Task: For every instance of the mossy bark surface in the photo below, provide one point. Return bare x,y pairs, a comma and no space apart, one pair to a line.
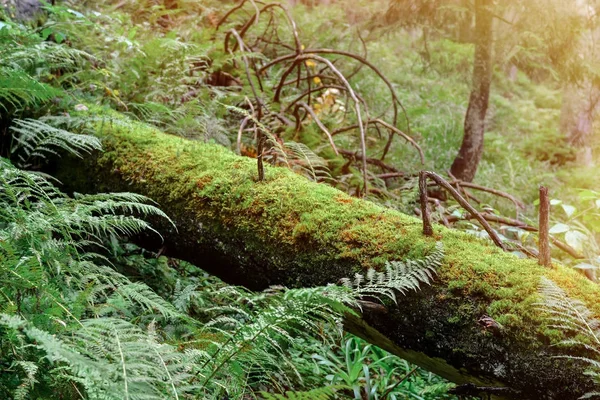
289,231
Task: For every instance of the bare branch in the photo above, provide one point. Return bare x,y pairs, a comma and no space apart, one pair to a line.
427,228
319,124
544,223
467,206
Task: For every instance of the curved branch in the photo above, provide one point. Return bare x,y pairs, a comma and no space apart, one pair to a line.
499,193
396,100
464,203
521,225
403,135
357,102
239,136
319,124
392,129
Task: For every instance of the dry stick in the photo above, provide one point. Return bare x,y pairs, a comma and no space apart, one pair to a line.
260,105
365,55
240,131
341,77
466,205
498,193
427,228
373,161
566,248
228,14
268,42
290,21
403,135
391,175
247,25
259,102
396,101
259,157
460,188
521,225
498,219
544,223
405,377
392,129
261,37
319,124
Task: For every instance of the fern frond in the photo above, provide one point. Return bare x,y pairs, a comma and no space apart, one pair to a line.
399,276
567,313
573,317
144,296
36,139
309,163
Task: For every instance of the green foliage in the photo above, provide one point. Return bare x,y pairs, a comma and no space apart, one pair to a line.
324,393
578,226
76,318
36,139
372,373
572,316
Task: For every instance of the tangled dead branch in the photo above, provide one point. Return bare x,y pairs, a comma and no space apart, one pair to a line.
253,31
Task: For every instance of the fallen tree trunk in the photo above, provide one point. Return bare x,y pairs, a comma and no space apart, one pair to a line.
477,323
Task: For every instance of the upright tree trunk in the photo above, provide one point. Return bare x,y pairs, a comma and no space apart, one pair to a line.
577,116
466,162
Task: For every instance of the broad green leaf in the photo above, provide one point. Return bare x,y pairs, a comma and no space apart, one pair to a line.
575,239
555,202
585,266
569,210
559,228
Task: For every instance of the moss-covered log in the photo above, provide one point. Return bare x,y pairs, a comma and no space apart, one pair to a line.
290,231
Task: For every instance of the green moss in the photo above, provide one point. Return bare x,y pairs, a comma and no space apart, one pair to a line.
288,219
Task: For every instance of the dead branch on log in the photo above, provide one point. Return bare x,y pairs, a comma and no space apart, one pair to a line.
295,62
319,124
544,223
519,204
521,225
427,228
461,200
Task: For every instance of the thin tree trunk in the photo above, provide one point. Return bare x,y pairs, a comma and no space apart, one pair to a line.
466,162
577,115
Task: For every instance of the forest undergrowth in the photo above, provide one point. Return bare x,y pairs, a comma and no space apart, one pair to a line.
162,328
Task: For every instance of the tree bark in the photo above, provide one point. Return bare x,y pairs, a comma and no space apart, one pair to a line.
465,164
577,114
289,231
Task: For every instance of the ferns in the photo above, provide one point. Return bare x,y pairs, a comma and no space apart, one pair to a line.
35,138
399,276
573,317
26,60
18,89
